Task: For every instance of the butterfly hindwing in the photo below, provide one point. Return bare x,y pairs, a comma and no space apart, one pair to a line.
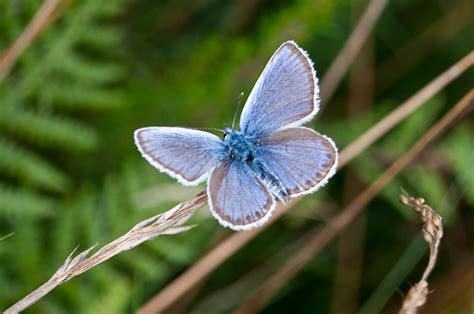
286,93
236,198
185,154
301,158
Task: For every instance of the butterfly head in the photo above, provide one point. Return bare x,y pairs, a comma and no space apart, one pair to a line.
227,130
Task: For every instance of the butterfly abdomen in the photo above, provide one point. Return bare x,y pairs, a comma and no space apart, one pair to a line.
272,182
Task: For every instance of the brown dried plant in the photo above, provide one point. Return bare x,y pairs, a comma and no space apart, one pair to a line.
432,233
169,222
49,11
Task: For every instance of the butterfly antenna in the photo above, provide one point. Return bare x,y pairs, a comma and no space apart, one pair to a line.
211,129
238,108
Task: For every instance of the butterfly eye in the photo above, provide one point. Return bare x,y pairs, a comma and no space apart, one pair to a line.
226,131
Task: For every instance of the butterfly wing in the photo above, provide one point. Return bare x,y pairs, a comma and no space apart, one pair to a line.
184,154
286,93
237,199
301,158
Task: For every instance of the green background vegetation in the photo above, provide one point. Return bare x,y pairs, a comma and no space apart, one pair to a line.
70,174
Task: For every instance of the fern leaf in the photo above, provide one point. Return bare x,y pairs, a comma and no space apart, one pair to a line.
49,130
14,202
76,97
85,70
102,38
30,168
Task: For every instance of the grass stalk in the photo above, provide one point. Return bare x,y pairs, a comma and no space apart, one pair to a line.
45,15
351,48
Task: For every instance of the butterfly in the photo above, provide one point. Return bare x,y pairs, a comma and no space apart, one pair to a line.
271,159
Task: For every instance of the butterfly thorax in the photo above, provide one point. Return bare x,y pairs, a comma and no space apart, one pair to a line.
240,146
244,148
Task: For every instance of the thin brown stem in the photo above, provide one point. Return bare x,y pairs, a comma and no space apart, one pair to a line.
347,215
420,48
350,252
43,17
402,111
203,267
354,43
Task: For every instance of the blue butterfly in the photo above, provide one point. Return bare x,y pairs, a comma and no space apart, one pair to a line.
272,158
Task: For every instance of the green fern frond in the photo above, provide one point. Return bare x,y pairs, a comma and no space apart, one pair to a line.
49,130
85,70
16,202
80,98
60,45
115,201
75,224
30,168
102,38
29,239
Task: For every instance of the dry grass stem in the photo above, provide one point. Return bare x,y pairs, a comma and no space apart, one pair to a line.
43,17
432,233
409,106
278,280
435,35
350,246
169,222
200,269
226,298
354,43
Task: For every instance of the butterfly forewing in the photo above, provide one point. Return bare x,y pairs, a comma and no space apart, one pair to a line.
301,158
286,93
237,199
185,154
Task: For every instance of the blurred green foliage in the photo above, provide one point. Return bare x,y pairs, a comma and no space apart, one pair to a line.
70,175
